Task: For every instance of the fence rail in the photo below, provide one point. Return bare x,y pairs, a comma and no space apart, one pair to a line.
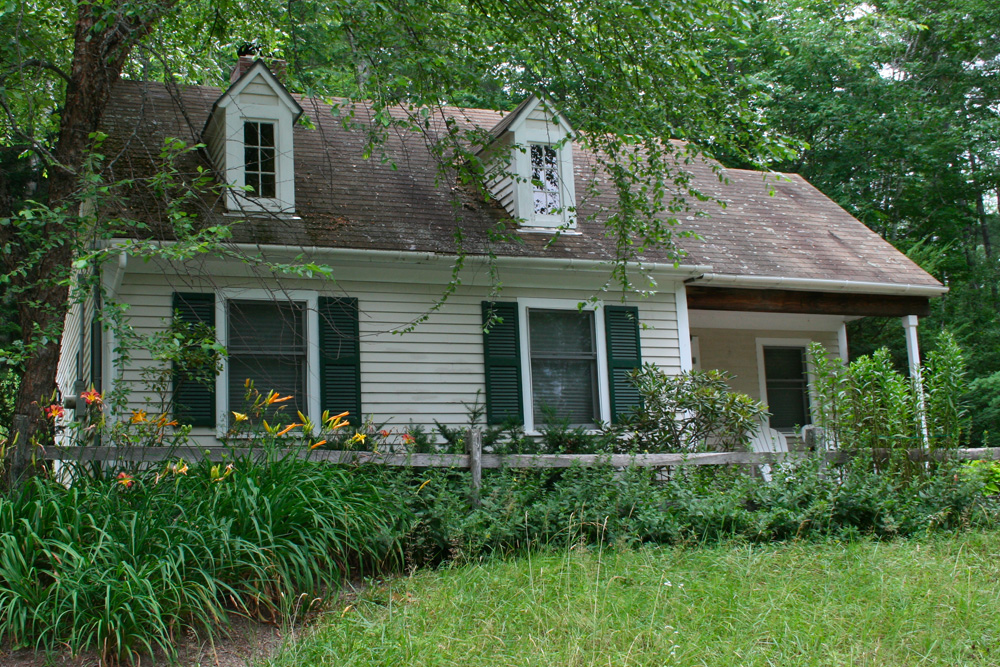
475,460
414,460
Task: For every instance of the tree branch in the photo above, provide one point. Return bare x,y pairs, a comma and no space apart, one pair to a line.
42,64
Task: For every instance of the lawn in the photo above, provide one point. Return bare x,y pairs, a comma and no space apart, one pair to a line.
929,601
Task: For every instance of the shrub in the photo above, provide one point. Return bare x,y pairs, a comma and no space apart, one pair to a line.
523,509
869,404
123,561
684,412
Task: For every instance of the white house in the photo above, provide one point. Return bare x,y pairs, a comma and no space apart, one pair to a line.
779,266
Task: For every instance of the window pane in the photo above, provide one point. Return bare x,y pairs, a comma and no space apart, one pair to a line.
564,389
266,134
267,345
284,375
266,326
561,333
787,386
266,160
536,155
267,186
563,366
250,134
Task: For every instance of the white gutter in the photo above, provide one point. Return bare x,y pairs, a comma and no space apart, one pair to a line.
816,284
421,257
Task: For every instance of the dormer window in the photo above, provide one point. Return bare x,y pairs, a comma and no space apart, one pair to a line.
249,136
532,161
545,179
259,159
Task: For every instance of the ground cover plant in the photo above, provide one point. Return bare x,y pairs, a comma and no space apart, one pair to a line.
928,601
522,509
125,561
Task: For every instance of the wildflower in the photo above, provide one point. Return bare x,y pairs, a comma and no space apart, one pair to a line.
335,422
161,421
287,429
384,433
240,417
55,411
92,396
125,480
358,437
176,468
274,398
218,474
318,444
408,439
138,417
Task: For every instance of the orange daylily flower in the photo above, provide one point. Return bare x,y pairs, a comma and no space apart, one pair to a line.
92,396
318,444
55,411
138,417
287,429
274,398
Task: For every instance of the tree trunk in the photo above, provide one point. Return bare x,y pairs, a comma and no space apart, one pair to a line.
104,36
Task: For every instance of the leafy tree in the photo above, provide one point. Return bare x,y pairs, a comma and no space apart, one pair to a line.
629,73
896,105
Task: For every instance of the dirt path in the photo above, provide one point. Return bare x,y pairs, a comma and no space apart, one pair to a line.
248,641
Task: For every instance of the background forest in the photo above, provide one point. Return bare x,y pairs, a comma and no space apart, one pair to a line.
891,108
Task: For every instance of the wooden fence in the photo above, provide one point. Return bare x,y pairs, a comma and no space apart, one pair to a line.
475,460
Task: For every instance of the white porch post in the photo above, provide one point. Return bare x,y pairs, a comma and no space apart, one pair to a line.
842,342
913,356
683,327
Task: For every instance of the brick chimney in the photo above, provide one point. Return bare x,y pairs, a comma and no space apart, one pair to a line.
245,62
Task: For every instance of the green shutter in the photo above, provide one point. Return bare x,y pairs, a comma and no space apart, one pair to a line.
340,357
502,350
194,396
621,326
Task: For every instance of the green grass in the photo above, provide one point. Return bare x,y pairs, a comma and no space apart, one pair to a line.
930,601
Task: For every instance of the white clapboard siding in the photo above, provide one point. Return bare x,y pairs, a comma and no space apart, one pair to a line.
434,372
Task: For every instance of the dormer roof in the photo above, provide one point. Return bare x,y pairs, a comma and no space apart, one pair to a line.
513,120
259,72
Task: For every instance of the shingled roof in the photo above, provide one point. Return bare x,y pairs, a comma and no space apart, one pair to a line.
770,226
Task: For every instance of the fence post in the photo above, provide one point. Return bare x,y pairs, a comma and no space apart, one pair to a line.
474,440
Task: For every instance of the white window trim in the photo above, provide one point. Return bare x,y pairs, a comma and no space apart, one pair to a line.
310,298
284,151
804,343
603,388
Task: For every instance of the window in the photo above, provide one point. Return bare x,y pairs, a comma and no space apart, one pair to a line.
267,344
547,359
545,179
564,375
259,159
786,386
297,343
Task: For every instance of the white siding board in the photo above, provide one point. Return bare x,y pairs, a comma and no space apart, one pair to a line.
433,372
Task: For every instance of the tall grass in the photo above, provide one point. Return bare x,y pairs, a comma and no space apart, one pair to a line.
125,561
928,601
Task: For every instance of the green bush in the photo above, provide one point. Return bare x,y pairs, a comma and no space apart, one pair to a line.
869,404
684,412
123,561
523,509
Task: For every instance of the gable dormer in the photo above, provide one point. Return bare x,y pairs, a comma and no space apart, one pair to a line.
249,139
532,159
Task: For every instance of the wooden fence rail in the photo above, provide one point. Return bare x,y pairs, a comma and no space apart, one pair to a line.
475,460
